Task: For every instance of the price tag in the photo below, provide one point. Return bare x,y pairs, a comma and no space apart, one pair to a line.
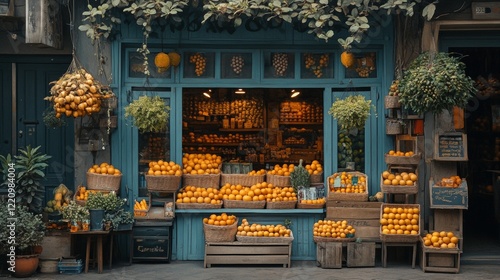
336,182
354,180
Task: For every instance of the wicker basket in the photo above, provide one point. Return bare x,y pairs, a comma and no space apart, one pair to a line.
348,196
400,237
402,160
392,189
197,205
330,239
281,204
244,204
202,180
278,181
103,182
241,179
316,178
220,233
393,127
310,206
162,183
260,239
392,102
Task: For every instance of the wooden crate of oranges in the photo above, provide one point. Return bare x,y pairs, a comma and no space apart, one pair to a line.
399,222
399,181
348,186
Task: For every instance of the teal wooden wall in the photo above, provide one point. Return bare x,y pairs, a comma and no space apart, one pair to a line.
187,232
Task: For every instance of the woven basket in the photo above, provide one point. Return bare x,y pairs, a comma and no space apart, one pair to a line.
197,205
103,182
310,206
202,180
162,183
400,237
244,204
241,179
392,102
278,181
281,204
220,233
348,196
402,160
316,178
329,239
260,239
393,127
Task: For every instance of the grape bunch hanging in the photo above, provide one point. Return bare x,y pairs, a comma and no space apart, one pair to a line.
237,63
316,66
200,63
280,64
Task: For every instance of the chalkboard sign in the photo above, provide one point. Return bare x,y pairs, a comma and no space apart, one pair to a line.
451,147
448,197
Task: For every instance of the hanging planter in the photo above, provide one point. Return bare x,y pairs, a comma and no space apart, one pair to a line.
393,127
351,112
149,114
435,82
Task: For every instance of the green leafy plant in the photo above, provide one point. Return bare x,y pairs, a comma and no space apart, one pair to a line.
118,217
149,114
29,229
351,112
75,212
29,168
107,202
435,82
50,119
300,177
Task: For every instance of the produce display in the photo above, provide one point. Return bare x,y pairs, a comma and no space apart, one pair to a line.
105,169
316,65
301,112
257,172
201,164
76,94
259,230
394,88
320,200
347,182
333,229
83,193
220,138
282,194
399,179
351,149
237,63
200,63
314,168
400,220
400,153
282,170
62,197
164,168
220,220
451,182
192,194
155,147
441,239
257,192
280,64
141,208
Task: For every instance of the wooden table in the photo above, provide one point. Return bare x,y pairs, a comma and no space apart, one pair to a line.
99,235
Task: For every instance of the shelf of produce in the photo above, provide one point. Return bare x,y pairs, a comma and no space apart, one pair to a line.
189,229
301,123
211,144
241,129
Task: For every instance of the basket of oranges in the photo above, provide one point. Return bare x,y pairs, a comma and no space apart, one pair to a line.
316,171
279,176
163,176
348,186
220,228
201,170
191,197
104,177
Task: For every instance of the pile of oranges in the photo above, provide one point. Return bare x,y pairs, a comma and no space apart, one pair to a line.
346,183
257,192
400,153
333,229
220,220
400,220
282,194
320,200
314,168
191,194
441,239
164,168
201,164
452,182
258,230
105,169
283,170
399,179
257,172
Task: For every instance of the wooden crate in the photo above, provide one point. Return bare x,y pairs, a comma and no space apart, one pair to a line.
448,220
448,197
247,253
363,216
439,259
329,254
360,254
335,196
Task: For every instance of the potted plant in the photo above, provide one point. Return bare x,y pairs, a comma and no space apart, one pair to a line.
120,219
148,113
435,82
99,204
29,168
351,112
21,238
76,214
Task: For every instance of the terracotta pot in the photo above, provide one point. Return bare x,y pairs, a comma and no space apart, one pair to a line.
26,265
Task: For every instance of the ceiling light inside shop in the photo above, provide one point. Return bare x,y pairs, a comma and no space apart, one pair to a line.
294,93
207,94
240,91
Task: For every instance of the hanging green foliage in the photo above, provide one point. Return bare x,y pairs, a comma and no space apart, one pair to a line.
351,112
149,114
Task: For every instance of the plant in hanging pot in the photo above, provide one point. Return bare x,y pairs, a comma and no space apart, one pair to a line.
20,239
149,114
435,82
351,112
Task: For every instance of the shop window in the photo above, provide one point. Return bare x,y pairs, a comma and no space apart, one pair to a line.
351,149
236,66
365,66
316,66
199,65
279,65
137,67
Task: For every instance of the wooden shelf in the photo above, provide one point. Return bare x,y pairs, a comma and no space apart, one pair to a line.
211,144
241,129
300,123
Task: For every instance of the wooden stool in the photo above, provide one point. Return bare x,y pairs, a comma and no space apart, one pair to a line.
399,244
99,235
